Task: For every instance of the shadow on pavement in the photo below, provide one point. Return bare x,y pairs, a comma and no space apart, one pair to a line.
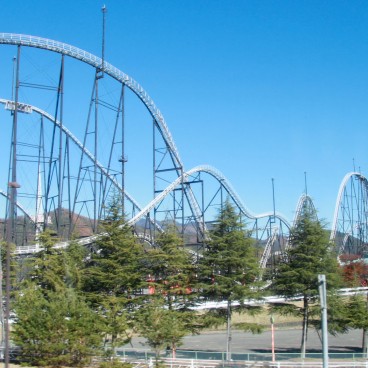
331,349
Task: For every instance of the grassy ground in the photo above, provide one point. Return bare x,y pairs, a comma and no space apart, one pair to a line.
263,319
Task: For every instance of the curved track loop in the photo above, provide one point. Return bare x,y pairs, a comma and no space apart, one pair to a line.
221,179
305,203
225,183
350,222
96,62
105,67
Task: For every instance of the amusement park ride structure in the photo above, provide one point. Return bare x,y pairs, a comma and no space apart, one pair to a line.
65,181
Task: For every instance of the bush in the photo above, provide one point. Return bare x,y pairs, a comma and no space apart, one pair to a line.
115,363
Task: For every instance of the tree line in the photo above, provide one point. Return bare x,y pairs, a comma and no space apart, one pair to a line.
75,303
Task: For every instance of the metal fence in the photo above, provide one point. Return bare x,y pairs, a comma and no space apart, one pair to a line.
236,358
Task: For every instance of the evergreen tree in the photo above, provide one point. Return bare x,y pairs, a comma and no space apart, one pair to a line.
357,317
162,327
309,255
54,325
355,311
228,268
55,328
114,277
171,270
56,268
172,275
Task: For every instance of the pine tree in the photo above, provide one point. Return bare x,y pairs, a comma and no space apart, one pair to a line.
172,275
56,268
58,329
172,270
357,317
54,325
114,277
228,268
310,254
162,327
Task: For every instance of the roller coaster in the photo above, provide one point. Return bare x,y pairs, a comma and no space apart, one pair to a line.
65,180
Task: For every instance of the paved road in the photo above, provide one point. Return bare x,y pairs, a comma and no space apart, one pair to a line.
286,340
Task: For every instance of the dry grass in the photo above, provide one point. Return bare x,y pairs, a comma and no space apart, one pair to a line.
263,319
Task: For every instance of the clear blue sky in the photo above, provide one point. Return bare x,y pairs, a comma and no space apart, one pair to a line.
257,89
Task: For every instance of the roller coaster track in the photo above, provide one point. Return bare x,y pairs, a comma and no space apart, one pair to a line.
36,247
79,144
5,195
357,216
304,203
182,179
343,184
96,62
217,175
267,251
107,68
221,179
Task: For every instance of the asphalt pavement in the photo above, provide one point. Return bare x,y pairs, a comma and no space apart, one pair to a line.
286,340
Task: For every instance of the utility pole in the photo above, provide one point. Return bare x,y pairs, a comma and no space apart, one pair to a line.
323,302
272,338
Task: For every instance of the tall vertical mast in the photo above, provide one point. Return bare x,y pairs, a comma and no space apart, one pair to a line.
104,11
39,217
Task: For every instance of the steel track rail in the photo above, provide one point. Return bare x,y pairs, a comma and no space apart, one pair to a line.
135,87
103,66
5,195
80,145
343,184
221,179
303,200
